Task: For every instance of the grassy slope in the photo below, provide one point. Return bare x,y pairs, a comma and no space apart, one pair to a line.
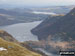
6,36
15,49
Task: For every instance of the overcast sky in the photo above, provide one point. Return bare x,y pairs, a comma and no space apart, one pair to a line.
38,2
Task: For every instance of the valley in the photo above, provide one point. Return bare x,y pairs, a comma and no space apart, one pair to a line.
37,31
9,16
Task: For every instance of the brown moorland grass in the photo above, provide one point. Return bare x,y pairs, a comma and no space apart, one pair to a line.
14,49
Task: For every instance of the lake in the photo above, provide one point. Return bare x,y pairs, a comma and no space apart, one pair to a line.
22,31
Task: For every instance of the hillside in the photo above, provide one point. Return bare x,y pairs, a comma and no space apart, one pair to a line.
7,20
65,24
13,16
6,36
23,15
56,35
13,49
40,30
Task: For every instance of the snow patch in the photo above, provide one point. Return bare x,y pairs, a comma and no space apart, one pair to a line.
2,49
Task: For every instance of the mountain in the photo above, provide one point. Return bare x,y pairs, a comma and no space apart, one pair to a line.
12,49
57,33
64,25
41,28
10,16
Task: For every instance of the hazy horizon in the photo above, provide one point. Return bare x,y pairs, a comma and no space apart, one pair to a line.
35,3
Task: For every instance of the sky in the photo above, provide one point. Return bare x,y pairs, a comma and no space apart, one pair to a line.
37,2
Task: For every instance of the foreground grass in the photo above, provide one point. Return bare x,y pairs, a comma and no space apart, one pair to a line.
15,49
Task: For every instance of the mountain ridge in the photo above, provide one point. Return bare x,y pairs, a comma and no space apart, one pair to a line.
58,35
60,25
